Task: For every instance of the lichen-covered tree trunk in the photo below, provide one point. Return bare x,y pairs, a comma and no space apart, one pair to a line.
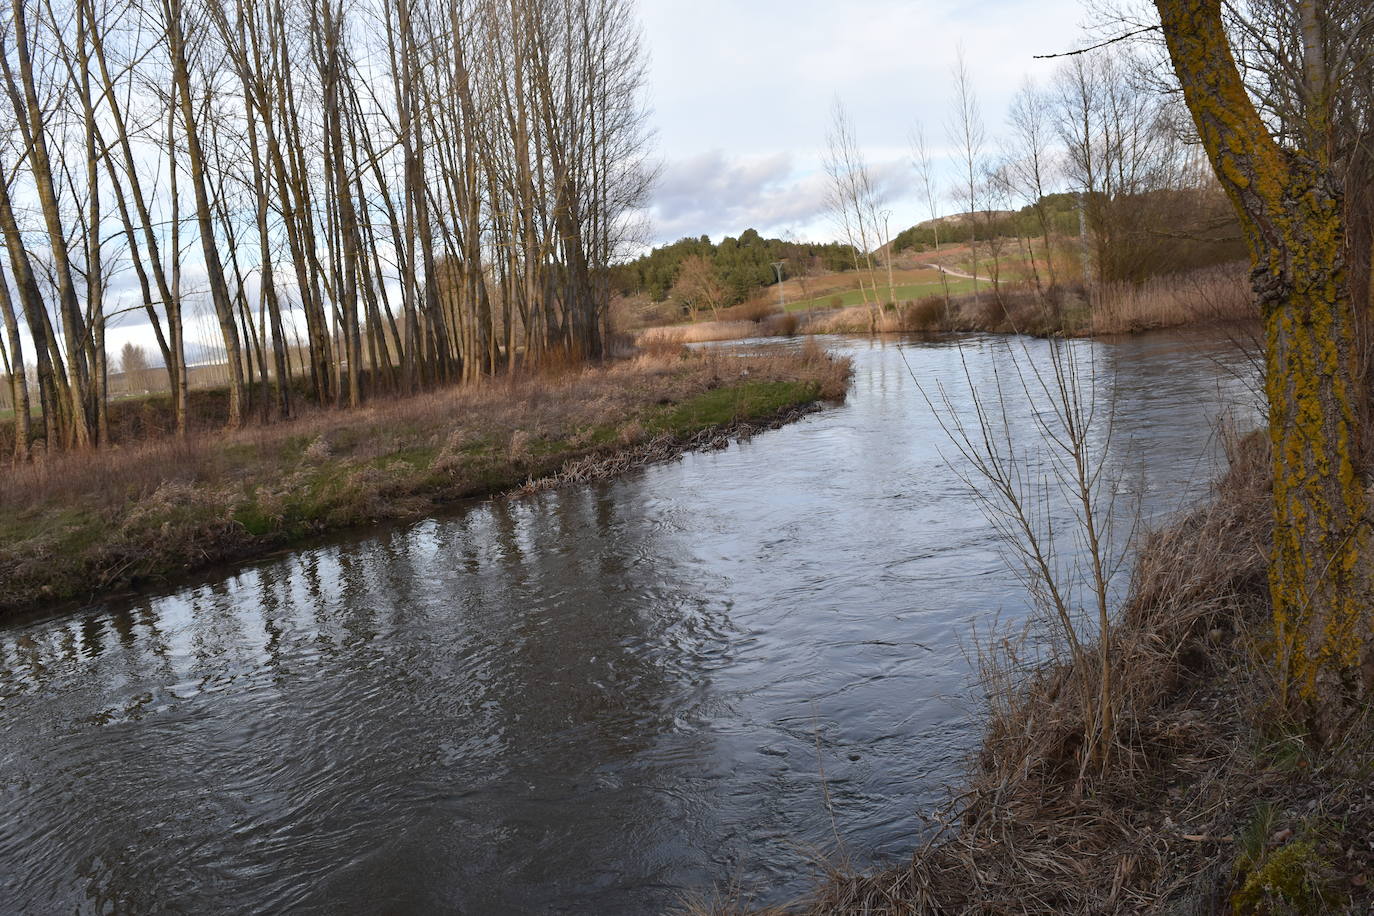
1291,209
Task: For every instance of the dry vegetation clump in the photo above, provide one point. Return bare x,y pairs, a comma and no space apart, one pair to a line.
760,308
670,338
1012,311
701,332
1211,802
81,524
786,324
1211,295
926,315
1214,295
862,319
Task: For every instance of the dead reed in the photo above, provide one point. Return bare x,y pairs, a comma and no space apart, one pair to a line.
1214,295
1208,296
699,332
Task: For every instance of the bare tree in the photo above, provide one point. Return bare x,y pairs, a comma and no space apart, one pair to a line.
853,200
968,136
1030,165
303,165
1020,481
132,358
699,285
14,368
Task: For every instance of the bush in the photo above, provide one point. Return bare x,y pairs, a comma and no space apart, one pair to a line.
784,325
989,313
753,310
926,315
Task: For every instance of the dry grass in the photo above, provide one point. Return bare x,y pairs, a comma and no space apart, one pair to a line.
1210,803
700,332
75,525
671,338
1211,295
1016,310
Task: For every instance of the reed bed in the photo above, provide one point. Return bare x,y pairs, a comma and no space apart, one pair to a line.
1212,295
699,332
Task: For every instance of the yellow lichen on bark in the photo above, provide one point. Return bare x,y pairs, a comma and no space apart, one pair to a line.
1292,214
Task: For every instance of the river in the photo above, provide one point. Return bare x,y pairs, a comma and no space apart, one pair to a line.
591,700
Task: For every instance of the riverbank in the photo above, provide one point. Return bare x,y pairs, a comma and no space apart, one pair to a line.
79,526
1208,298
1211,802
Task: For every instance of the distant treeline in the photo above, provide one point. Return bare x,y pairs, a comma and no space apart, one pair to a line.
742,264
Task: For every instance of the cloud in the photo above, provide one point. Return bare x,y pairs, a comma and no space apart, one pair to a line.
712,194
757,80
715,194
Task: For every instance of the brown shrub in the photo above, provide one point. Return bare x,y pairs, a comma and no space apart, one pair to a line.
756,309
989,313
927,314
784,325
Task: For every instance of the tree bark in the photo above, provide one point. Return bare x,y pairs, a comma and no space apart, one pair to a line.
214,269
18,383
1292,212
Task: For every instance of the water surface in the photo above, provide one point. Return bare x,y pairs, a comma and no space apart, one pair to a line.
586,701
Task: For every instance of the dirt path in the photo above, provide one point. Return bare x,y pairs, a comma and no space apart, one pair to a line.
952,273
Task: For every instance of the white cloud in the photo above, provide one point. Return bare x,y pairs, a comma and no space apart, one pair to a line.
715,194
740,89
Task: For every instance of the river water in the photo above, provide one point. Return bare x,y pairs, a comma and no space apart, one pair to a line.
590,701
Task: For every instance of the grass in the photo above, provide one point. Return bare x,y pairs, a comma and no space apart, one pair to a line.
723,406
898,293
76,526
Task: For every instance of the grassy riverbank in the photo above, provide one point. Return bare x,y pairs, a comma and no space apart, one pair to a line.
78,526
1203,298
1211,801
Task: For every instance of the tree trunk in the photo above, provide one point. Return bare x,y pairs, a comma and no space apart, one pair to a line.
18,384
32,123
1293,216
50,396
214,269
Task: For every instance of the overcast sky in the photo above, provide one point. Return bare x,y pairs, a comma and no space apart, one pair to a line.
741,92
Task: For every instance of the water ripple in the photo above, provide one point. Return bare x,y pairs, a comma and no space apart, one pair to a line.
585,701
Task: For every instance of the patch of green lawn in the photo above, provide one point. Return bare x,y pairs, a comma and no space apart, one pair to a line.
720,406
901,293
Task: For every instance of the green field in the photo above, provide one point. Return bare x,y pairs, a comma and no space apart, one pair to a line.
900,293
